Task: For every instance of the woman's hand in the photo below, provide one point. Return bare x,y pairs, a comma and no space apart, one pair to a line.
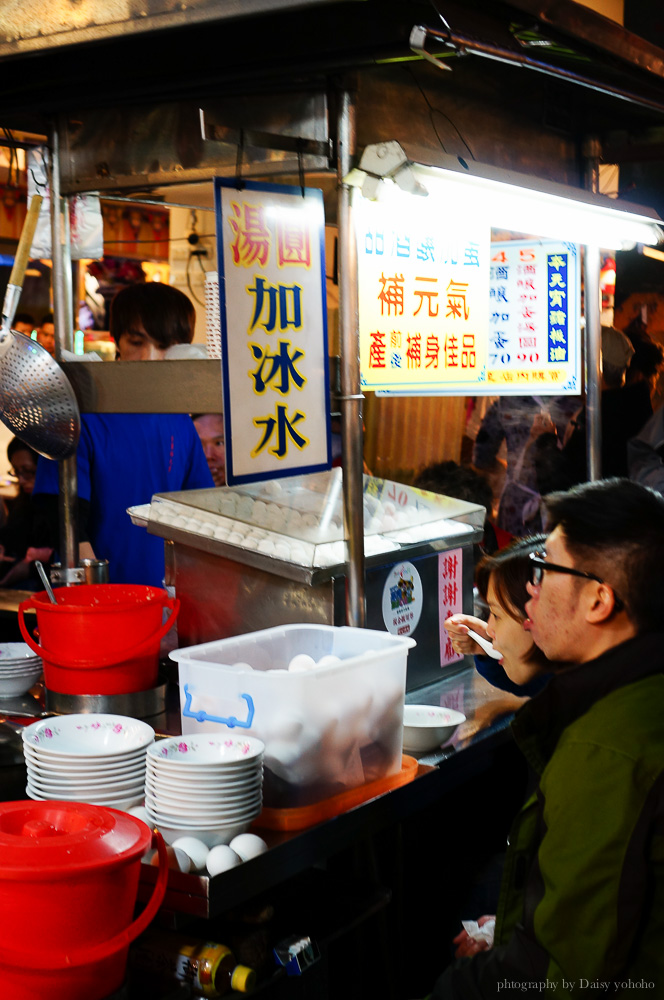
457,628
466,946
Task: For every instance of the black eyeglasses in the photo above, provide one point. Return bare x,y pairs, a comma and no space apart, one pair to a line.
540,566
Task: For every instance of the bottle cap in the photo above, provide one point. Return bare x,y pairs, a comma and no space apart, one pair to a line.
243,979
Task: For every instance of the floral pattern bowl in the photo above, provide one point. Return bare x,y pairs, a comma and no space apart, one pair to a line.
89,735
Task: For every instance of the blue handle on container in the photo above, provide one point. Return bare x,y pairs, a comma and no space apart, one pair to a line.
231,721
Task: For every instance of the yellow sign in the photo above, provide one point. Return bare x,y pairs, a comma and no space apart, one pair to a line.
442,310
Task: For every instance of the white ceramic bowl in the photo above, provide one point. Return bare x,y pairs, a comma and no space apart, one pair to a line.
192,803
12,687
210,837
133,785
51,767
210,796
426,727
13,651
208,782
194,812
89,735
231,752
17,667
113,802
215,785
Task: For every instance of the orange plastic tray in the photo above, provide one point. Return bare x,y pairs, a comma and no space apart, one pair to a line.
300,817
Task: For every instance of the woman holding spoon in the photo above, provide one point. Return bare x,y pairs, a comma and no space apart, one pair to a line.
522,668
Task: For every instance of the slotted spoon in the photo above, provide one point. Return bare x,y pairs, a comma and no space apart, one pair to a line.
37,402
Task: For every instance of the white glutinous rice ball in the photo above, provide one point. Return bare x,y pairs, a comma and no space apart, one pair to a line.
301,662
328,661
220,859
248,845
195,849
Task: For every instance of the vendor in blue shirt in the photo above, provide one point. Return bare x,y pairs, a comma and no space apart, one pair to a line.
123,459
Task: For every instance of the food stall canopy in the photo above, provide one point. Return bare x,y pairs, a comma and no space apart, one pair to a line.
33,25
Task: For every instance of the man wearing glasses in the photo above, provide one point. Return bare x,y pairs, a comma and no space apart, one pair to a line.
582,901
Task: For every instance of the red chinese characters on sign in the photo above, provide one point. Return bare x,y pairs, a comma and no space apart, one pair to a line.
293,244
450,596
252,238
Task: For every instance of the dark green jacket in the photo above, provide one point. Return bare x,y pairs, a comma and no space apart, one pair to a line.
582,898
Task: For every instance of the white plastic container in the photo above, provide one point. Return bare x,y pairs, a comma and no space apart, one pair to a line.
326,729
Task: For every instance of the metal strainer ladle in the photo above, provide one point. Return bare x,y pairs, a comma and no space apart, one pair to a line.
37,402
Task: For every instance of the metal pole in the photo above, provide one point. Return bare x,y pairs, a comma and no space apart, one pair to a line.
351,396
593,327
63,338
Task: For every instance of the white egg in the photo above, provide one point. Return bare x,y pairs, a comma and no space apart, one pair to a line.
183,860
251,543
248,845
195,850
140,812
221,858
300,662
282,549
266,545
242,665
236,538
328,661
221,533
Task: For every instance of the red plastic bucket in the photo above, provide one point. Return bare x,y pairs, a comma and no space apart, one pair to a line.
100,638
68,884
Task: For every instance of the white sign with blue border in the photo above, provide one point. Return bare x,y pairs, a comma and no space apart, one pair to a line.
274,354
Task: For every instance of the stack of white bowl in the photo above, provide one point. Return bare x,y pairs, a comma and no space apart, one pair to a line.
209,787
19,669
95,758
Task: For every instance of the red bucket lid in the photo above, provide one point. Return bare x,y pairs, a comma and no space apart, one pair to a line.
57,839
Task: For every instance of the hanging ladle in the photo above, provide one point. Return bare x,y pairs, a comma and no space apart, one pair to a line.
45,581
37,402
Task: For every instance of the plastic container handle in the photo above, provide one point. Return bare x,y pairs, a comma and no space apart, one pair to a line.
172,602
41,960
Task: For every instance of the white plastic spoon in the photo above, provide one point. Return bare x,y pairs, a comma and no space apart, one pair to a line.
485,644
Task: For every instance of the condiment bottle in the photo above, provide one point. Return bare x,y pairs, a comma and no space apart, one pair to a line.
208,967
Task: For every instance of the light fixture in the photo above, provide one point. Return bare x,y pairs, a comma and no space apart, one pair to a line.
509,201
384,161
